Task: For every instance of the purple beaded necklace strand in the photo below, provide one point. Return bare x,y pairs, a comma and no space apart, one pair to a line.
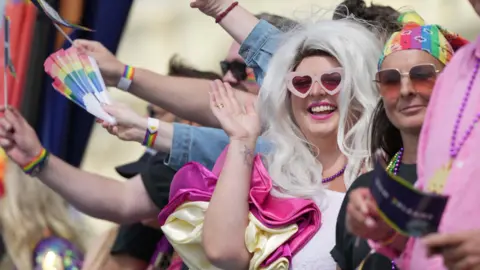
333,177
454,150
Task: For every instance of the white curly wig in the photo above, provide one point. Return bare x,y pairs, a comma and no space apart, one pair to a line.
292,162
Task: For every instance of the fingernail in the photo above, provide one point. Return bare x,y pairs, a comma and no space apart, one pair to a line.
369,222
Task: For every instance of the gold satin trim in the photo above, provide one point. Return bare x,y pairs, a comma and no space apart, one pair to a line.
183,229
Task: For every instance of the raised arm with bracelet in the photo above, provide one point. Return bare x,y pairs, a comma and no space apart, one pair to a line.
184,97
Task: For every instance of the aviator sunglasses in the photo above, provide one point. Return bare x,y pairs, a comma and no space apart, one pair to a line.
301,84
422,78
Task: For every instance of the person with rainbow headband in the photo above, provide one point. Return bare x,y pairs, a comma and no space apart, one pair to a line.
408,70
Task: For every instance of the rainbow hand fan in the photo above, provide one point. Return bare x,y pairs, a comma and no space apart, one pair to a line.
77,77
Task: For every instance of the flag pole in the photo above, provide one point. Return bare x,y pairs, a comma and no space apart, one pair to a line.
6,45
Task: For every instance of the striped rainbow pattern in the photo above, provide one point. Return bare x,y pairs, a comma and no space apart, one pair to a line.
73,68
251,77
150,138
28,169
75,76
55,71
415,35
128,72
67,92
89,69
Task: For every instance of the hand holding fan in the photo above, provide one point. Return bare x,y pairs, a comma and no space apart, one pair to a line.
77,77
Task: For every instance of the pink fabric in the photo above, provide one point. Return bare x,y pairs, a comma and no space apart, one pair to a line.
193,182
433,152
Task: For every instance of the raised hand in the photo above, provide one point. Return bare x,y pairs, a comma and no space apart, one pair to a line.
130,126
239,122
17,137
211,8
110,67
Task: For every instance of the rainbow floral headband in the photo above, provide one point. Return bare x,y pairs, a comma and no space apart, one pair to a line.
415,35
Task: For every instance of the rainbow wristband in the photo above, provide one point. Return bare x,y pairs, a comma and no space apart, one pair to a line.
127,78
152,131
34,167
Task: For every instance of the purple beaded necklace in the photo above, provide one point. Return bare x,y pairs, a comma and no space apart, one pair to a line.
455,149
437,183
333,177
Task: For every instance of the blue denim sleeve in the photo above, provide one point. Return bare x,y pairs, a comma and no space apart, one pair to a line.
259,47
200,144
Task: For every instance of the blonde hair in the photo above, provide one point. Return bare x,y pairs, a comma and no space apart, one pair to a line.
27,210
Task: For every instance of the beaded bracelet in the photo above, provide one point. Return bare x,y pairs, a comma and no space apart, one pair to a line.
151,133
127,78
36,165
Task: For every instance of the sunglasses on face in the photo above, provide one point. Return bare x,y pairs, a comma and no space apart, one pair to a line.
238,69
301,84
422,78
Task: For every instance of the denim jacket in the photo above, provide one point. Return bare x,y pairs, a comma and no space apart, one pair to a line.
204,145
259,47
200,144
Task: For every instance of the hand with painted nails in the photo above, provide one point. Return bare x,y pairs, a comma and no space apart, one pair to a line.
460,251
362,217
17,137
239,122
130,126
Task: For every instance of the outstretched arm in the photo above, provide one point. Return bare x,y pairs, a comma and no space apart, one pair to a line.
98,196
183,143
95,195
184,97
132,127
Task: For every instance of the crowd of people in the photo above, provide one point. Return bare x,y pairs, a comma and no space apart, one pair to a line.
267,166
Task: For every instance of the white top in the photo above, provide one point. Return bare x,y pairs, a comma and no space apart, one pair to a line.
316,253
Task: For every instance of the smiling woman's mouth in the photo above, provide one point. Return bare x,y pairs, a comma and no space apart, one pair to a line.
321,109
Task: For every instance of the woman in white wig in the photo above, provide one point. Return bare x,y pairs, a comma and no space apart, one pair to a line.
315,107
